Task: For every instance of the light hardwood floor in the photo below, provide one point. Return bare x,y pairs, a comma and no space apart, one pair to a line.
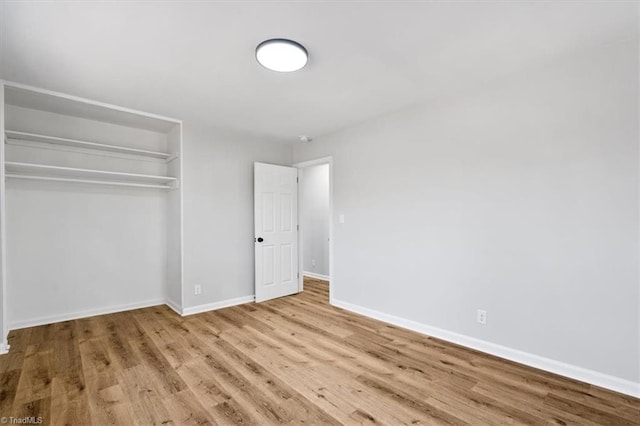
290,360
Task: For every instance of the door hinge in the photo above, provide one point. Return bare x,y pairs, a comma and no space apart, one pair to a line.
297,227
297,180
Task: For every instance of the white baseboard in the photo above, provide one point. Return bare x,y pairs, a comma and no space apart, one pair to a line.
4,348
217,305
84,314
174,306
127,307
317,276
574,372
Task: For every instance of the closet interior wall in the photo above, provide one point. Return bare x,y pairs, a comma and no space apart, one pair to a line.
174,227
4,326
93,208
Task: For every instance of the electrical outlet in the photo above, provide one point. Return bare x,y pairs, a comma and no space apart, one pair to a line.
313,263
482,316
198,289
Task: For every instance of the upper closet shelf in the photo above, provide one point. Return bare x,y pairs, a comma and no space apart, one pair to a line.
30,97
14,135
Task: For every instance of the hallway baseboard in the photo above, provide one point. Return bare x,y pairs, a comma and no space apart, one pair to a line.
316,276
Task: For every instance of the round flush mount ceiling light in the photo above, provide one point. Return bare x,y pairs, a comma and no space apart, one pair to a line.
282,55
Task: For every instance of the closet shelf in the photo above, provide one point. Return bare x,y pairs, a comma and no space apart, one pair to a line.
72,174
33,137
96,182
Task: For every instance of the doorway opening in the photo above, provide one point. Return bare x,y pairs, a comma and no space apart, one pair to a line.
316,226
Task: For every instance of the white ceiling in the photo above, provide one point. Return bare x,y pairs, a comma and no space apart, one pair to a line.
195,60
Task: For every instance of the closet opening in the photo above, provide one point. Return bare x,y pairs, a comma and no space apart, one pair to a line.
316,226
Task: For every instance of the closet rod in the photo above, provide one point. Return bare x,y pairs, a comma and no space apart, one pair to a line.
23,136
98,182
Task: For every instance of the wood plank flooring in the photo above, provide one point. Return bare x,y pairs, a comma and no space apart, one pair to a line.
290,360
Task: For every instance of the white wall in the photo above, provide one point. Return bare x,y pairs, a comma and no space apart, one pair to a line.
314,191
520,198
218,211
83,249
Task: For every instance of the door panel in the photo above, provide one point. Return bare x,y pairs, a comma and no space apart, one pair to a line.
268,263
276,229
267,212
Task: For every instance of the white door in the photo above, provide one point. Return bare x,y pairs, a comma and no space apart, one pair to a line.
276,229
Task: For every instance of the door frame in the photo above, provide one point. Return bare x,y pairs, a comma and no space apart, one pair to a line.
301,166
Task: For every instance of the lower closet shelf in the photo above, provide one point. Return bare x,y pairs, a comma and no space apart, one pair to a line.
90,176
97,182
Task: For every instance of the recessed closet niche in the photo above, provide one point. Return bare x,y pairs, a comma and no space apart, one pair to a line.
91,208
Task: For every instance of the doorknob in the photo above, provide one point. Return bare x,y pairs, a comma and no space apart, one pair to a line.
260,239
